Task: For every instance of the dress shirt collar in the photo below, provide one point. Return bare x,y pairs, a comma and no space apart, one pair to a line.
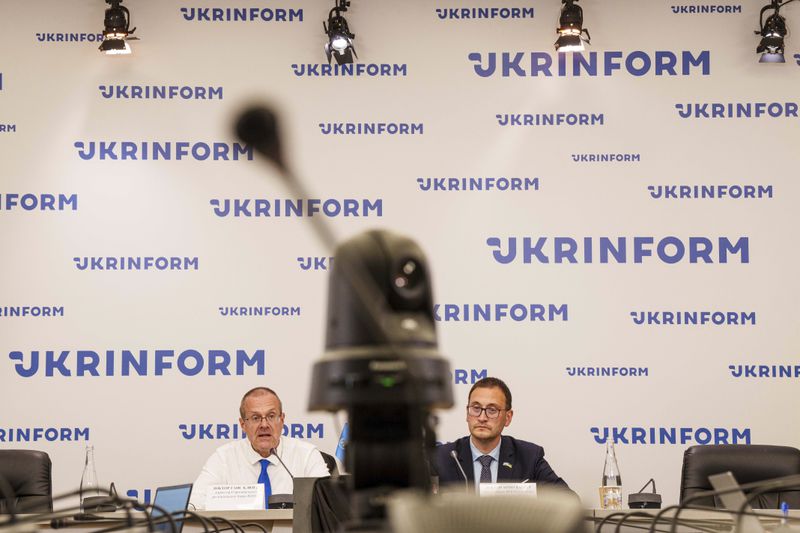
476,453
254,457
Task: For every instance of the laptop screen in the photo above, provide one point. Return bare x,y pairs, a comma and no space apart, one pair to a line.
172,499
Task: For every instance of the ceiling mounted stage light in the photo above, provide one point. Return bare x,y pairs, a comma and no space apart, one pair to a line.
772,33
117,29
570,28
340,40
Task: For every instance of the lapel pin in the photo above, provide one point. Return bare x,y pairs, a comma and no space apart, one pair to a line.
507,465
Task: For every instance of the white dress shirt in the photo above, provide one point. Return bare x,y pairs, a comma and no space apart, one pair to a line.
238,463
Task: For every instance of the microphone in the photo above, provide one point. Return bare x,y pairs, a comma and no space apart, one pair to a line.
258,127
272,451
281,501
458,464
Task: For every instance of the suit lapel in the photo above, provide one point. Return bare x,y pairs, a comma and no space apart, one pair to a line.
465,459
507,469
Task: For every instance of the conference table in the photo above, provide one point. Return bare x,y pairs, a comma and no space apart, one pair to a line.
689,520
281,520
273,520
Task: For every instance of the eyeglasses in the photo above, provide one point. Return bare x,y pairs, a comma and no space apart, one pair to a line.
257,419
491,411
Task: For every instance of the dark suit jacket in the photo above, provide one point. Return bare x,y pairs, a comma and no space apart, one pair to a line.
526,461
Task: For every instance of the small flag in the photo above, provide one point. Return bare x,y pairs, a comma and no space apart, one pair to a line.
342,442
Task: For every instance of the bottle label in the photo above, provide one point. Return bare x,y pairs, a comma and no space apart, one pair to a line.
611,498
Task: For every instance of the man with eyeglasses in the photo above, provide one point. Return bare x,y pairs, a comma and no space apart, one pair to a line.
253,460
486,456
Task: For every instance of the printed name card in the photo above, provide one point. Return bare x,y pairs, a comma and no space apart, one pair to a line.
235,497
508,489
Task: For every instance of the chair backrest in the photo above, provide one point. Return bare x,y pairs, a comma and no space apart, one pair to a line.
330,462
29,474
749,463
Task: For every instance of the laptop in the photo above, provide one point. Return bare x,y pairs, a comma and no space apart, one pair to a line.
734,500
173,500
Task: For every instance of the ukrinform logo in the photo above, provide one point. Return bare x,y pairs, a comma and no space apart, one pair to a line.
301,207
261,310
79,363
671,435
69,37
550,119
162,151
243,14
706,8
607,371
475,13
468,376
738,110
694,318
592,64
38,202
39,434
137,263
607,158
315,263
765,371
702,192
160,92
294,430
669,250
478,184
31,310
350,70
501,312
372,128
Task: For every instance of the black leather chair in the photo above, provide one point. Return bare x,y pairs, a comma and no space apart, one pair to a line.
28,473
330,462
749,463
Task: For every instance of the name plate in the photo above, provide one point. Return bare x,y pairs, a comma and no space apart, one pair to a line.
507,489
235,497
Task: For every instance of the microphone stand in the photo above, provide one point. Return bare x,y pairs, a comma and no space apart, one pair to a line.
454,455
274,452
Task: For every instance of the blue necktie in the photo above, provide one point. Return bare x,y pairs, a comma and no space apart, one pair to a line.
264,480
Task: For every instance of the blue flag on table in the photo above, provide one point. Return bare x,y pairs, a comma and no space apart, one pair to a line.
342,442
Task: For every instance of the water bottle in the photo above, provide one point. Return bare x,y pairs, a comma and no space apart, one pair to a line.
611,488
89,486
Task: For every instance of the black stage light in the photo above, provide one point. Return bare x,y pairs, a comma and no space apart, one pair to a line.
340,40
117,29
772,33
570,28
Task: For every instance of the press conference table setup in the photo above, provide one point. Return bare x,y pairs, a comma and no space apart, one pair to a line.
281,520
689,519
271,519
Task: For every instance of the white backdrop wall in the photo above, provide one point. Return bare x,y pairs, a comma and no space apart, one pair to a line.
71,128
